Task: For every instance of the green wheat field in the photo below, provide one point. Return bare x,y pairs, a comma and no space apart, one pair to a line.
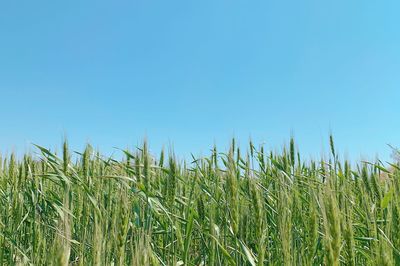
235,207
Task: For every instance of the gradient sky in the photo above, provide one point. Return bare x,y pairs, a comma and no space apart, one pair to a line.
192,73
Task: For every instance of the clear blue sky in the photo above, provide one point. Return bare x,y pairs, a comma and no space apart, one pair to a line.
193,73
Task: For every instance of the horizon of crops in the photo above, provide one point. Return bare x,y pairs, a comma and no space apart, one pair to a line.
235,207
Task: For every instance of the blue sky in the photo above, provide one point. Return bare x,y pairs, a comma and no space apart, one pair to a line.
192,73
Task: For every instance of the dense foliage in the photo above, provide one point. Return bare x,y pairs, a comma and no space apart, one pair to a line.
233,208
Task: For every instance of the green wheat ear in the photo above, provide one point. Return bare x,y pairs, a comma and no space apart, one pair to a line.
332,145
292,152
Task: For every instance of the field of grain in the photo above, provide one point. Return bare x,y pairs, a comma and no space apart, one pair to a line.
235,207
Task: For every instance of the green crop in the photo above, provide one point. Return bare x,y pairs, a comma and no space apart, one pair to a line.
233,208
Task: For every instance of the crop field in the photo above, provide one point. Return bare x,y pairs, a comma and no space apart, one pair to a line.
234,207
